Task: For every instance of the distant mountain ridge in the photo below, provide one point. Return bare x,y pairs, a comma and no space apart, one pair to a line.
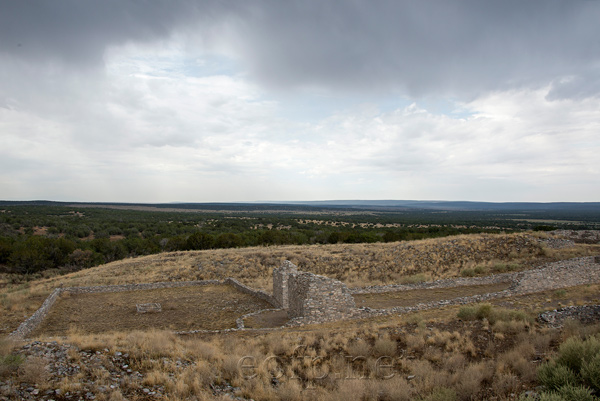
456,205
389,205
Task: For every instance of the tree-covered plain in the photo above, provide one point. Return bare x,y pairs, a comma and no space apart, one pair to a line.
40,236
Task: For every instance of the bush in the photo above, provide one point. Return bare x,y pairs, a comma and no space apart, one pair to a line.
467,313
493,315
442,394
480,270
555,376
573,353
575,372
590,373
576,393
9,363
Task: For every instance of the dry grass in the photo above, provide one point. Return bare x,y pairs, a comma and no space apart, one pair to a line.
211,307
433,357
355,264
429,355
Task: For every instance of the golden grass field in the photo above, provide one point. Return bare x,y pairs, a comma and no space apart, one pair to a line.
430,355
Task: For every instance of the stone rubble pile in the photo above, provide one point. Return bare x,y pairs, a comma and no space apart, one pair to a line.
579,236
585,314
94,372
67,361
557,243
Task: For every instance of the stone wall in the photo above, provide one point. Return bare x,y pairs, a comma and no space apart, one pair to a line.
315,299
136,287
257,293
280,282
442,283
34,320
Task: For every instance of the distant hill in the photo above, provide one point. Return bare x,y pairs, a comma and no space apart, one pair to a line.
456,205
381,205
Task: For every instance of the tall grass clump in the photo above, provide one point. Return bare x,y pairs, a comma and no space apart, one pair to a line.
9,362
491,314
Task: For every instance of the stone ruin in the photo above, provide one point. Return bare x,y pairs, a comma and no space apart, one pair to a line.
310,297
148,308
280,282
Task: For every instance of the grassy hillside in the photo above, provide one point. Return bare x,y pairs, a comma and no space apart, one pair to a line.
355,264
489,351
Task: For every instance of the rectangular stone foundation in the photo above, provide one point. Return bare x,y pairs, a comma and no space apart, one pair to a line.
149,308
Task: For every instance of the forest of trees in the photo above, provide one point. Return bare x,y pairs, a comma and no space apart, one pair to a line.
35,238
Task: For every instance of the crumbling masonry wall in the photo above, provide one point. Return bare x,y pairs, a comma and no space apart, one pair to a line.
280,282
318,298
310,297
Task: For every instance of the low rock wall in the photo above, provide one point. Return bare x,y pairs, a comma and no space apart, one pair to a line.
257,293
444,283
137,287
34,320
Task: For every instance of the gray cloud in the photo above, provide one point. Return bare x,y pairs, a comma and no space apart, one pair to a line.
77,32
458,48
116,100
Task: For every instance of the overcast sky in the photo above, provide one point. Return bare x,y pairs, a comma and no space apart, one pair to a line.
202,101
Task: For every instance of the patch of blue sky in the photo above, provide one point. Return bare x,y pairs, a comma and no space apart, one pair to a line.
209,65
311,107
445,106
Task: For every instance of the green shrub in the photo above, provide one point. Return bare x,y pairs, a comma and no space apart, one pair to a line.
512,266
576,393
548,397
574,352
590,373
485,311
560,293
442,394
508,315
500,267
575,373
414,279
467,272
480,270
10,363
554,376
467,313
493,315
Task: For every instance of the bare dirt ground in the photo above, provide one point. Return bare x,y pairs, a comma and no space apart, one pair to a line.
213,307
268,319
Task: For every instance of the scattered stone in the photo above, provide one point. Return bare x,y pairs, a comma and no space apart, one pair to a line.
149,308
585,314
579,236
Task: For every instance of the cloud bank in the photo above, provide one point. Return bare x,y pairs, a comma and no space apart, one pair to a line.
239,101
